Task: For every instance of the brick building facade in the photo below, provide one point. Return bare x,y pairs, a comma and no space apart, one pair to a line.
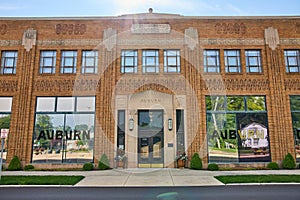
153,85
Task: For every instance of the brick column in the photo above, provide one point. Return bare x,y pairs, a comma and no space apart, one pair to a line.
21,130
281,136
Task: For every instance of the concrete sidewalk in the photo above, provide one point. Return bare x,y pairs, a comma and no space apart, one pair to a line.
150,177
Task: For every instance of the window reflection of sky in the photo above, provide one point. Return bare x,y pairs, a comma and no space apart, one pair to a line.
66,104
5,104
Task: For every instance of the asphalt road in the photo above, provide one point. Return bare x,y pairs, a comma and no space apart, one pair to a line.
251,192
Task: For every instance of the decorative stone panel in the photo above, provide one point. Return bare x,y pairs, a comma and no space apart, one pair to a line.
150,28
29,39
69,42
7,43
272,37
110,38
191,38
232,41
290,41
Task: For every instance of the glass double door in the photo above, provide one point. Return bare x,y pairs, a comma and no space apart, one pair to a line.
150,138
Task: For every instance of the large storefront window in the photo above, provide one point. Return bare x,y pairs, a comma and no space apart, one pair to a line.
237,129
295,108
5,113
64,130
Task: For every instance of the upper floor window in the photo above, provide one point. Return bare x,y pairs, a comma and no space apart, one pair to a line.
292,60
150,61
9,62
211,61
47,62
171,60
129,61
89,62
253,61
232,61
68,62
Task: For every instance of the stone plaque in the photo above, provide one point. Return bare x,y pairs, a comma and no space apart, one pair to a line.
29,39
150,28
191,37
110,38
272,37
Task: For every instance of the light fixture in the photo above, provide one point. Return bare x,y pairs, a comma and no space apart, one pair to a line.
170,124
131,124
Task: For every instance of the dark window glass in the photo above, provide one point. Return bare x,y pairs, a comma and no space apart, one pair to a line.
180,132
121,130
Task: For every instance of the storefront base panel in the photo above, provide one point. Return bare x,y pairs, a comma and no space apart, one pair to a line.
48,166
224,166
241,166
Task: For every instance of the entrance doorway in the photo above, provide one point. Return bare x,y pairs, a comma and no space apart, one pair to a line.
150,138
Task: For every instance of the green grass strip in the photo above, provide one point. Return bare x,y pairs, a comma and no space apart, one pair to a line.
40,180
259,179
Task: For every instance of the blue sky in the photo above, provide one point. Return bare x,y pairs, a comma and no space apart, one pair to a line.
38,8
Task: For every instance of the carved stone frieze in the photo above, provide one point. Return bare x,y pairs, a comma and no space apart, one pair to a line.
230,28
65,85
110,38
231,41
150,28
70,29
69,42
6,43
142,41
235,84
29,39
8,86
290,41
191,37
272,37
